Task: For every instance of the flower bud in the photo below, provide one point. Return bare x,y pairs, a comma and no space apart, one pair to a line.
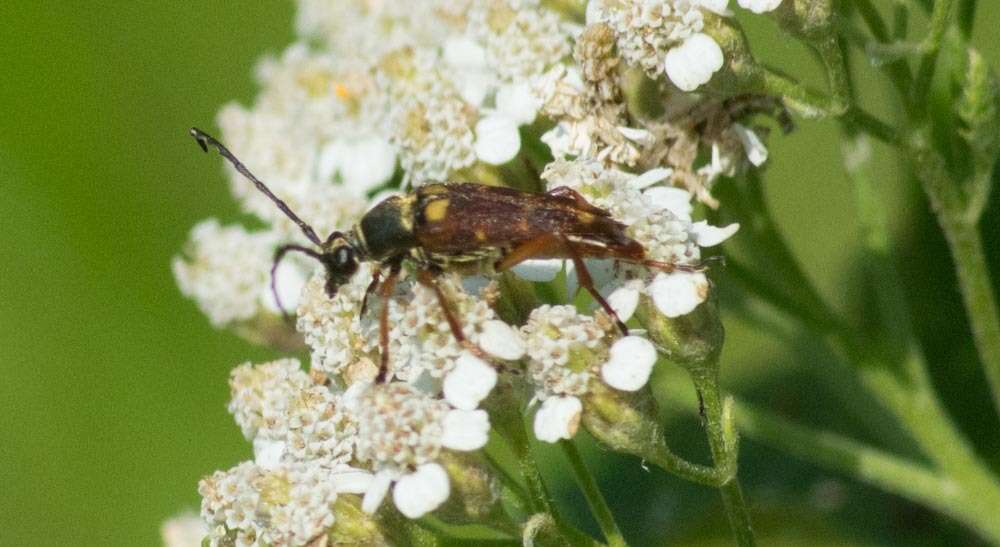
740,63
806,19
979,109
624,421
692,340
475,495
352,526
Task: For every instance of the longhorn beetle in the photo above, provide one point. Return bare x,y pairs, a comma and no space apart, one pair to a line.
439,227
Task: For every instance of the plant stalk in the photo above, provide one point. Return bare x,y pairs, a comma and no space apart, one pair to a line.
592,492
724,448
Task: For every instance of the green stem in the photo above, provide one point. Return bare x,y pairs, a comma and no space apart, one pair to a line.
665,459
939,491
966,247
977,293
897,71
847,456
808,102
873,20
598,505
929,47
873,126
508,480
966,18
901,20
876,243
832,56
725,449
508,422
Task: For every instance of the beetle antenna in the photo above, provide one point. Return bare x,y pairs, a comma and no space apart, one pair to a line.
205,140
279,254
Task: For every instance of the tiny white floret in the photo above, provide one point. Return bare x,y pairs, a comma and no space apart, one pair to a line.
348,480
501,340
469,382
630,362
693,63
267,453
465,430
675,200
377,490
497,139
422,491
558,418
289,280
759,6
706,235
720,7
678,293
518,102
651,177
752,145
624,300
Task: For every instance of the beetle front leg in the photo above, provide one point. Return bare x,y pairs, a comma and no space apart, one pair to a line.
376,277
385,291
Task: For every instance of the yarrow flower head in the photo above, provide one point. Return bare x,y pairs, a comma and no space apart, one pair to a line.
401,433
250,505
226,270
422,346
568,351
659,217
664,38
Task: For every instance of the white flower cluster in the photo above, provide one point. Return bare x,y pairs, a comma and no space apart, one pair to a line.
422,347
566,352
659,217
401,432
666,37
251,505
377,96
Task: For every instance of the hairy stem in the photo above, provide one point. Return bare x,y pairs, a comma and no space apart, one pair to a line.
949,205
940,18
592,492
725,450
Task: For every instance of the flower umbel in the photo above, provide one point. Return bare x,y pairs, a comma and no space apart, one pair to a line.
378,99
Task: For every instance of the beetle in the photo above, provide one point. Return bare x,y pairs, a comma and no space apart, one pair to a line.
459,226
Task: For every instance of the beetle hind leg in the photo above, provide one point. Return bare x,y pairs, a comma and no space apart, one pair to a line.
560,245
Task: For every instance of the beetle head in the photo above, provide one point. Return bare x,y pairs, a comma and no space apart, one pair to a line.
340,258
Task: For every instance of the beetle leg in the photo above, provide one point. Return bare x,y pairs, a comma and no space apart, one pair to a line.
587,282
376,277
559,244
385,291
581,202
427,278
547,244
670,267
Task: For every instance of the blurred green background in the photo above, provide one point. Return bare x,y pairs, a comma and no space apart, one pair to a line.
113,387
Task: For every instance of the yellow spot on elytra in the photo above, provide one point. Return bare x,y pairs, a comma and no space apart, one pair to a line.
436,210
585,218
480,235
